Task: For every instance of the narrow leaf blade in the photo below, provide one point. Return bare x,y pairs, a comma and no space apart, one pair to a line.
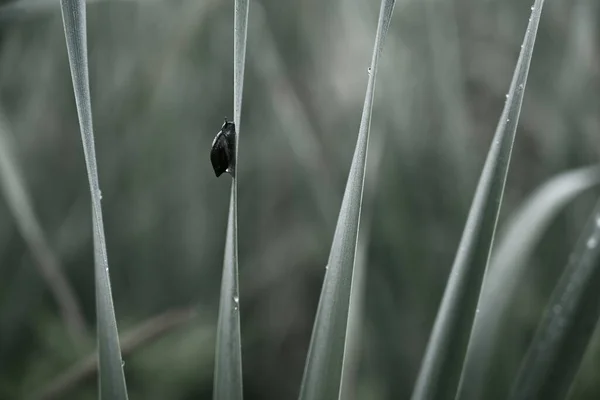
323,369
508,264
564,333
440,369
228,354
111,378
354,332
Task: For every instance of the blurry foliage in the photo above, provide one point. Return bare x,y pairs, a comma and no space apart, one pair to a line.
161,83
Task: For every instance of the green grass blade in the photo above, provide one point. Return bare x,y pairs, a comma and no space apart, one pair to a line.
111,378
438,377
565,331
228,353
507,266
20,204
352,352
323,369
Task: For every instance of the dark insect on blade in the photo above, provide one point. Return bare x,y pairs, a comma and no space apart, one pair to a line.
222,153
218,154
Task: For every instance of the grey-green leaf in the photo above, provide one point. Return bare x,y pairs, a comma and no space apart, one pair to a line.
228,352
111,378
323,369
440,369
564,333
354,331
20,204
507,266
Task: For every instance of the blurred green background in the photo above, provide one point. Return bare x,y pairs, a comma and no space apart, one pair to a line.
161,80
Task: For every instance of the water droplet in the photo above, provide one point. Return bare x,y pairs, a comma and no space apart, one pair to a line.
369,70
532,7
99,194
236,299
592,242
122,363
506,95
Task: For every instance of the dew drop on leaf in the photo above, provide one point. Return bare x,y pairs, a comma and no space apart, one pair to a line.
592,242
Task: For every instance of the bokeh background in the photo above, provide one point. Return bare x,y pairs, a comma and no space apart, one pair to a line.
161,75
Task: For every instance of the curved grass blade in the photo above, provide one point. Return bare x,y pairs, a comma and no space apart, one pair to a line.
323,369
507,267
110,377
228,353
565,331
443,359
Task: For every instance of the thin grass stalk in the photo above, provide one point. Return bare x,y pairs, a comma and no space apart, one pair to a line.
323,369
449,83
352,351
290,111
440,369
111,379
228,354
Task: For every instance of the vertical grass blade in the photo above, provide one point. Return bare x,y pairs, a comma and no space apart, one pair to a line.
354,331
559,344
20,204
440,369
228,353
291,111
450,86
111,378
323,369
507,266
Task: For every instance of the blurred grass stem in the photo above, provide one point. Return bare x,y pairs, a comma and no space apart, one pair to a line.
144,334
21,206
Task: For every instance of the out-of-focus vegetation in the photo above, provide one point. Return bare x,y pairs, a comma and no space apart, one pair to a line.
161,83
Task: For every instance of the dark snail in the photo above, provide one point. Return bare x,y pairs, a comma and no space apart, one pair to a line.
222,153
